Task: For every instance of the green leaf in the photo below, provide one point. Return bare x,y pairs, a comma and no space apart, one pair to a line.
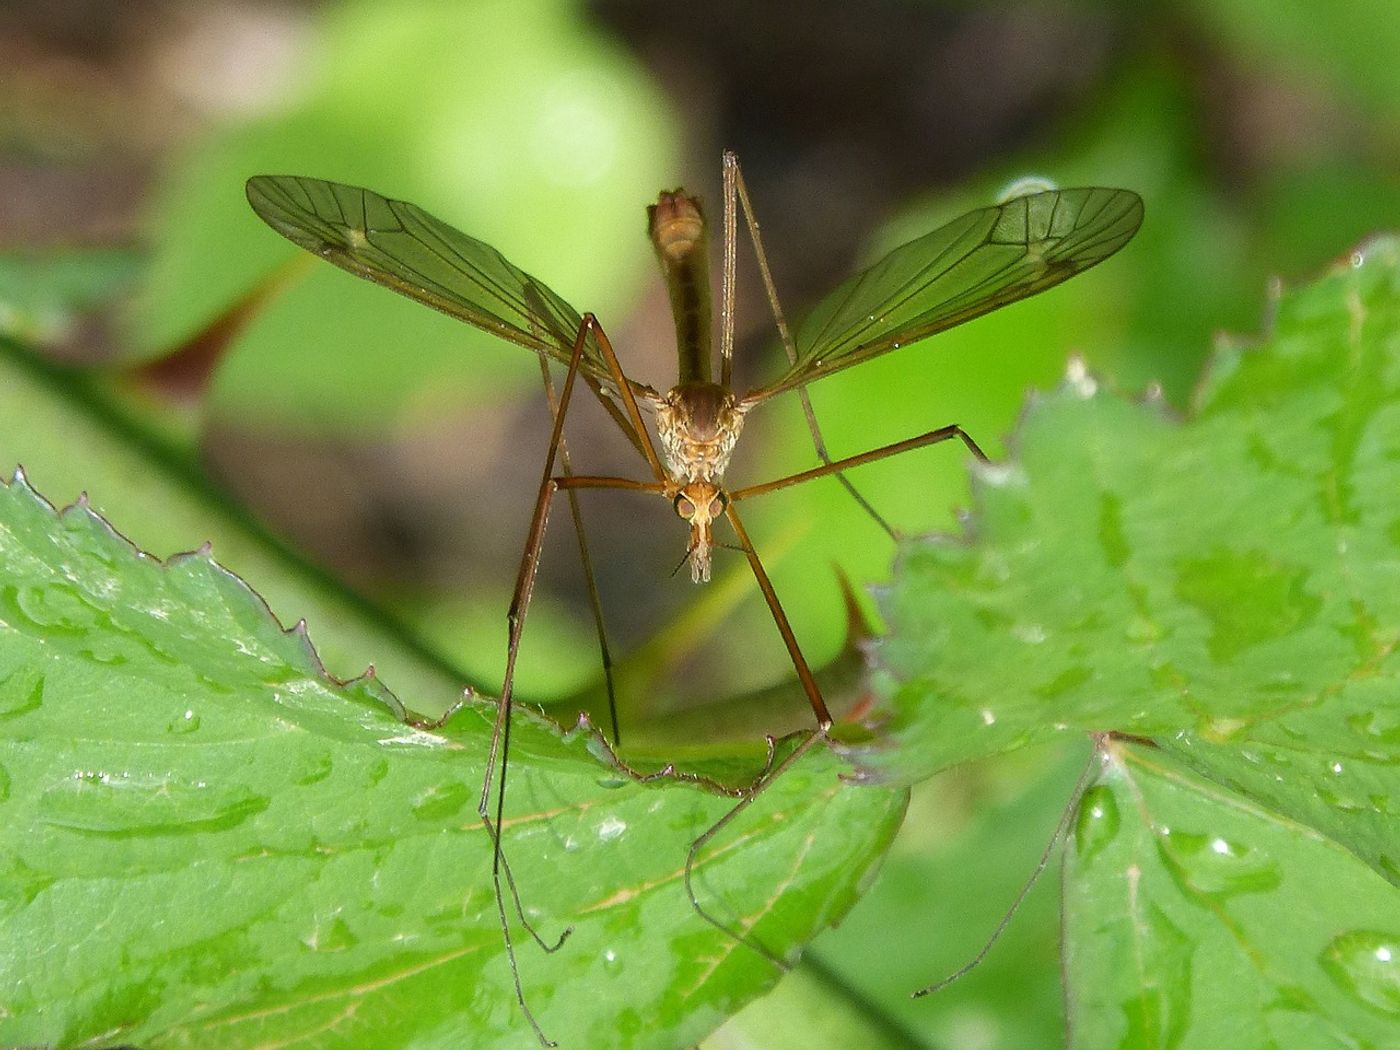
1231,576
1193,918
71,435
205,840
1228,586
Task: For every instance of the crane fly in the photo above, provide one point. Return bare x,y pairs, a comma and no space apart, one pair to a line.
986,259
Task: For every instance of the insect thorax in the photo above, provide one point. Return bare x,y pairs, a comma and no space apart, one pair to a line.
698,424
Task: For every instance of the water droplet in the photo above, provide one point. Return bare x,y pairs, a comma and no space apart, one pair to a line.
1030,633
1098,821
318,768
988,717
186,722
1218,867
212,684
442,801
97,802
1219,729
21,691
1339,800
611,963
55,607
106,651
611,829
1363,963
332,936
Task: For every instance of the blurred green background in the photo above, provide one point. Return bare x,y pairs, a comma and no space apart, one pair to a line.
401,450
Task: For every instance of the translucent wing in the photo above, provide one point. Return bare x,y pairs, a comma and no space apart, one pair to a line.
986,259
402,247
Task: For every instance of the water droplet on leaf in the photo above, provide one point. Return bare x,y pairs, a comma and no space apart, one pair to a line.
1366,965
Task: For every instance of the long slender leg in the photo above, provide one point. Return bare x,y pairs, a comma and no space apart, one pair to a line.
499,749
500,731
804,673
629,402
1086,777
730,168
933,437
810,737
734,187
586,561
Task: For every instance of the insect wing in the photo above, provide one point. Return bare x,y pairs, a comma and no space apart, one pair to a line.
402,247
983,260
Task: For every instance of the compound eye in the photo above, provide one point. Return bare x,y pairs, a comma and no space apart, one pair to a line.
718,504
684,507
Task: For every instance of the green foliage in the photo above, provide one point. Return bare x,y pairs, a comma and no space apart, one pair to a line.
72,435
208,841
1221,585
1225,586
43,291
1194,917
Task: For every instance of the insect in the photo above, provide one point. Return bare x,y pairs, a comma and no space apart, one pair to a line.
987,258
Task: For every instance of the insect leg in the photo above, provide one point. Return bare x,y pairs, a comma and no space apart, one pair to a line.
804,673
734,187
585,559
1086,778
500,732
809,738
499,749
933,437
629,403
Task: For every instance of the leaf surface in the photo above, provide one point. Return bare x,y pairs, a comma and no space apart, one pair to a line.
207,841
1226,588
